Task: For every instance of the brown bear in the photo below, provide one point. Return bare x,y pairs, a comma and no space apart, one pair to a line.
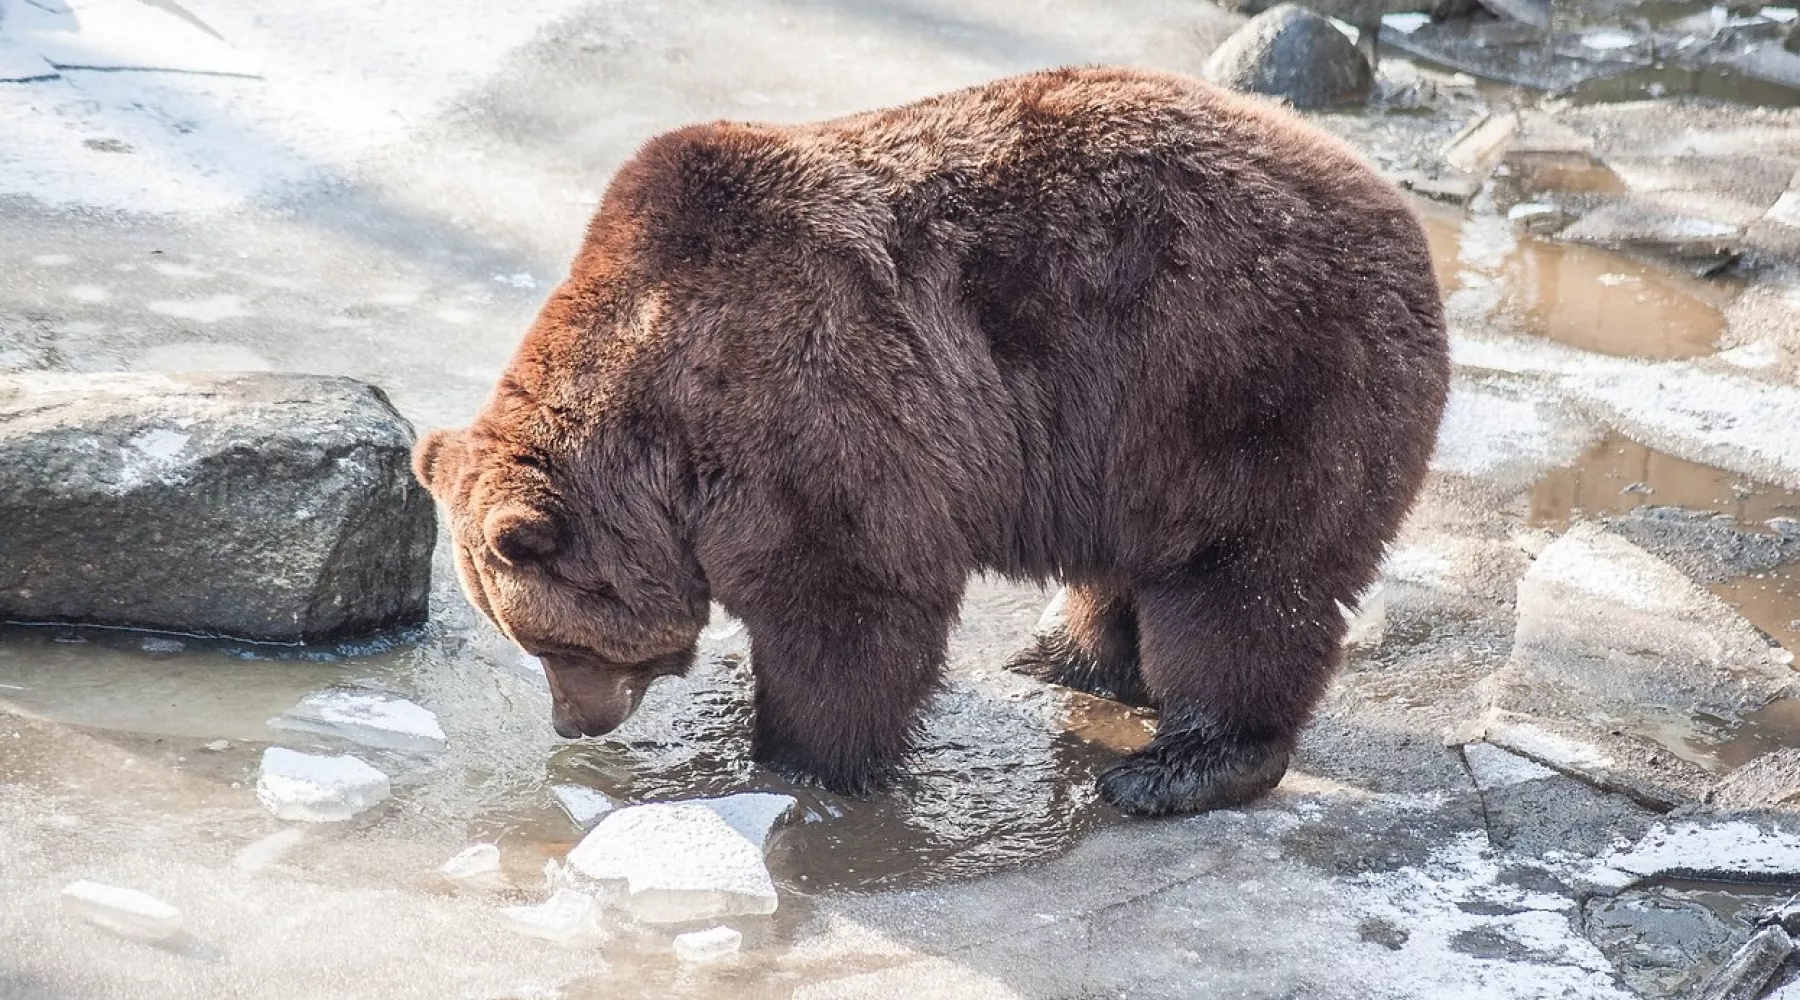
1122,329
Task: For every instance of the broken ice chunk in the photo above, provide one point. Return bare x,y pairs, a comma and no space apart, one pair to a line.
708,945
583,805
316,788
1368,620
751,814
678,862
565,916
366,717
477,867
1053,612
122,911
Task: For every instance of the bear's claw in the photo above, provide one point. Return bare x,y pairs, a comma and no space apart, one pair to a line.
1190,771
1054,658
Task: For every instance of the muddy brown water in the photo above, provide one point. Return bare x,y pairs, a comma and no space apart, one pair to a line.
1617,475
1005,773
1583,297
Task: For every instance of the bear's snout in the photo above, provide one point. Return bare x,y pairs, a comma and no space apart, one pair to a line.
587,698
592,698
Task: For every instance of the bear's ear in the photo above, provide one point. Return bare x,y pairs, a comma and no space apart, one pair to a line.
519,534
433,451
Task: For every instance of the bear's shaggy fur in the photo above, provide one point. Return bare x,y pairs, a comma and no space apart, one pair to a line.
1168,345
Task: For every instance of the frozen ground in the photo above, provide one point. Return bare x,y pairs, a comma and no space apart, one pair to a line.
388,190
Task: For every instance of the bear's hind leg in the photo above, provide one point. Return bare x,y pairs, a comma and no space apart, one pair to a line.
1094,649
1237,656
839,688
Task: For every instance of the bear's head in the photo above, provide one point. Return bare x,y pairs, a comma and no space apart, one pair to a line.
578,557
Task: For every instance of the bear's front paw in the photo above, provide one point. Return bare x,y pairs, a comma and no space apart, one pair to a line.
838,773
1190,772
1055,658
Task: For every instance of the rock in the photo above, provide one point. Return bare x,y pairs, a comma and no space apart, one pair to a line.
708,945
1749,971
1530,809
677,863
1492,768
1477,149
1642,223
318,789
126,912
366,717
752,814
1769,781
1607,758
476,868
567,915
584,806
1291,53
261,506
1603,624
1451,187
1708,547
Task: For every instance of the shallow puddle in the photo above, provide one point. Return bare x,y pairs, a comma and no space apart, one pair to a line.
1665,939
1714,83
1581,296
1004,774
1618,474
996,783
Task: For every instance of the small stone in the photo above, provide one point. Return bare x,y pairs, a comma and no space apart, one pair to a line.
1446,187
568,914
1291,53
125,912
156,644
1537,217
316,788
366,717
708,945
678,863
476,868
217,746
584,806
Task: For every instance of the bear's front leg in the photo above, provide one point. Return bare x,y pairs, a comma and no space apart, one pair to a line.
841,683
1236,661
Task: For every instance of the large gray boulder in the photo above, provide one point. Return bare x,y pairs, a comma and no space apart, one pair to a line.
258,506
1294,54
